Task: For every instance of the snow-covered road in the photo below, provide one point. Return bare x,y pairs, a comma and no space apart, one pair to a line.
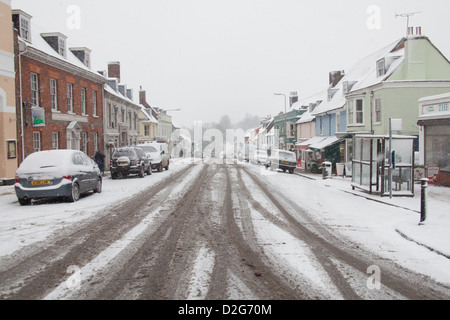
214,231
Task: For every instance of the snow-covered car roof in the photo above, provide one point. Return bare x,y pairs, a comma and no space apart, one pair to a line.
47,159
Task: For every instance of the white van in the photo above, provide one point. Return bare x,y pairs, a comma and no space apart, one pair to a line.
158,153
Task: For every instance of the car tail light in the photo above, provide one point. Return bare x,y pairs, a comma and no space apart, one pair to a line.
67,177
138,161
16,180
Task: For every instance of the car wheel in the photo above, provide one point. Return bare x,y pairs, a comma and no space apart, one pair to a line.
142,173
98,188
167,167
160,167
25,202
291,171
75,195
149,170
114,176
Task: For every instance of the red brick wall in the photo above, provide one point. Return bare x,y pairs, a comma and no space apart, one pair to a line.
45,73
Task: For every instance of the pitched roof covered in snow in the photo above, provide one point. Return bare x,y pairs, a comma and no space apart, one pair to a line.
364,74
42,50
309,103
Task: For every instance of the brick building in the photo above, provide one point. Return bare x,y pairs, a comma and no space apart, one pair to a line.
121,115
60,97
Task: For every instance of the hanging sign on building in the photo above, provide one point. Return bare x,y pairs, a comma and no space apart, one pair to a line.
38,116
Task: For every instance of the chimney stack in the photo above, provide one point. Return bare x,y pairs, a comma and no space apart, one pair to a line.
335,77
114,70
142,97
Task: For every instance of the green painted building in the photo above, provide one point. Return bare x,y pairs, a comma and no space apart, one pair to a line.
285,123
389,84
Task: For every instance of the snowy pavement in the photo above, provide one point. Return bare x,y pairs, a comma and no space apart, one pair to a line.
433,234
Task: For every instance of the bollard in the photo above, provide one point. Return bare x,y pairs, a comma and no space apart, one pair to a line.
423,200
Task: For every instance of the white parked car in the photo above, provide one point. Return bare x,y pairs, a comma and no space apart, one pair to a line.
259,157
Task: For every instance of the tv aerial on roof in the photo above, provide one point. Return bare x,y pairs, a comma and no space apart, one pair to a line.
407,16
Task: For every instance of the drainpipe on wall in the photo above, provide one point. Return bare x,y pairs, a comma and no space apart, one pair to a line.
21,99
371,111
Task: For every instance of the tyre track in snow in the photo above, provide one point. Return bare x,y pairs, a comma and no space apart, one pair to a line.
328,249
242,259
165,252
285,223
33,272
162,266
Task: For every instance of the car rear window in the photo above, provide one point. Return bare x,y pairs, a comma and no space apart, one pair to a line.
148,149
124,153
287,156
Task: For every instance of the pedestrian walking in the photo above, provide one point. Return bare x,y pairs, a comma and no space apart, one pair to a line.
100,160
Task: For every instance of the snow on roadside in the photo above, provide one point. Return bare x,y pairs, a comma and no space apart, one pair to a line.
374,225
21,226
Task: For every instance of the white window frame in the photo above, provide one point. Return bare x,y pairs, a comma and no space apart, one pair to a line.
357,113
36,141
83,101
69,97
377,111
95,141
55,140
34,84
54,94
85,138
94,103
25,28
62,46
338,122
87,59
353,113
381,68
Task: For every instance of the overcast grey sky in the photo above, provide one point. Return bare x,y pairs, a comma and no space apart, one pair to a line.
216,57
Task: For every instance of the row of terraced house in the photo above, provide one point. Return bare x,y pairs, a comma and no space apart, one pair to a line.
50,98
408,79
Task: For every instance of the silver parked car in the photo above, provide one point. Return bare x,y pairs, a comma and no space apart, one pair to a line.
57,173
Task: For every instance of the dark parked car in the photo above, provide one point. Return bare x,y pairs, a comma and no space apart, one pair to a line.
129,160
56,173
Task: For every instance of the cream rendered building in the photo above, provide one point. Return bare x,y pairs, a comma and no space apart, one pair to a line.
8,135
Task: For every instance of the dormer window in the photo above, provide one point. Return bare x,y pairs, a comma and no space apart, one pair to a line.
83,54
62,47
25,29
331,93
57,41
21,21
347,86
381,68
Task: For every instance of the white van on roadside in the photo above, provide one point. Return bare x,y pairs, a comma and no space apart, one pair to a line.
158,153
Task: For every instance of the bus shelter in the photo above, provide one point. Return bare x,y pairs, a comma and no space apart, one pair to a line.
372,163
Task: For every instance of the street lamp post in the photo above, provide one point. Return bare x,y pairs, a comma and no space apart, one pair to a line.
285,118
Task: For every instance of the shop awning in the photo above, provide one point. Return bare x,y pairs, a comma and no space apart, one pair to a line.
327,142
307,143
